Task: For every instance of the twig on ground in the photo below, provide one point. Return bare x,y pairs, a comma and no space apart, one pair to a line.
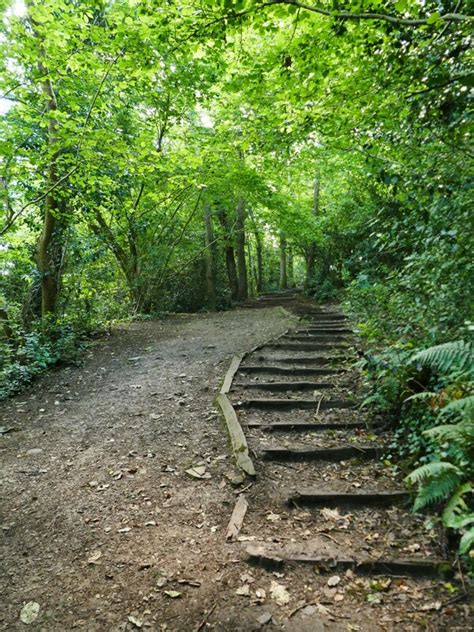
206,617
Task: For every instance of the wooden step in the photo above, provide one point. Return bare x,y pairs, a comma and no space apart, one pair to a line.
315,337
285,370
295,404
300,346
305,425
322,454
318,316
272,557
283,386
360,500
322,360
323,330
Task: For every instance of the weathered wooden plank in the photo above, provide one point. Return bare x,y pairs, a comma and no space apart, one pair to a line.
299,404
270,557
283,386
306,346
237,518
323,329
237,437
309,338
283,370
231,371
312,360
305,425
358,499
322,454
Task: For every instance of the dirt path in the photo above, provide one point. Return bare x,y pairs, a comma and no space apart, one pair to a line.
105,530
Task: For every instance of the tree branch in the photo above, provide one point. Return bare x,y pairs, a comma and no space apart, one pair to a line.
348,15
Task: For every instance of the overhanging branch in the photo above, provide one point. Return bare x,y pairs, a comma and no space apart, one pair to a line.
348,15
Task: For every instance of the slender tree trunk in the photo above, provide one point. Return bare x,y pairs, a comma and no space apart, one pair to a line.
283,265
229,256
209,258
311,250
50,247
241,263
50,244
259,282
252,272
291,271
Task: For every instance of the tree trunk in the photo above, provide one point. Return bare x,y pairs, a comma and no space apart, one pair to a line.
209,258
258,241
283,266
241,263
311,250
50,244
229,256
291,272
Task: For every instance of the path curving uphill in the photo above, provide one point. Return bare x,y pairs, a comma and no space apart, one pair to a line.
325,501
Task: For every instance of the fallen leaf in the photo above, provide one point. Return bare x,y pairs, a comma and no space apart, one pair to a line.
94,557
173,594
260,594
29,612
435,605
264,618
198,471
279,593
243,591
334,580
138,623
330,514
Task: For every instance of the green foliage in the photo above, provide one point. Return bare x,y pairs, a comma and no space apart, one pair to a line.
447,357
35,351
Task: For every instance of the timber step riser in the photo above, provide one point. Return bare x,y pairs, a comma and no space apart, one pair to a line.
294,346
322,360
347,499
317,331
283,370
402,567
295,404
309,338
283,386
305,426
321,454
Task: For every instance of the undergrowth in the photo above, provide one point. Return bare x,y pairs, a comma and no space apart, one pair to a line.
27,354
428,396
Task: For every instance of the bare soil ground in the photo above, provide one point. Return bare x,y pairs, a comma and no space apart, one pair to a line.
104,529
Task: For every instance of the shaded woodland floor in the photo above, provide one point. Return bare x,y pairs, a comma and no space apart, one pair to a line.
105,529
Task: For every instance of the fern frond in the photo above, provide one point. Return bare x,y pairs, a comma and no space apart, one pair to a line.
424,395
458,433
446,356
456,513
467,542
432,470
436,489
465,405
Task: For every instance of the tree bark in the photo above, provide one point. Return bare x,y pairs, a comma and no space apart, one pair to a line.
291,271
50,247
283,265
258,241
50,244
229,256
209,258
241,263
311,249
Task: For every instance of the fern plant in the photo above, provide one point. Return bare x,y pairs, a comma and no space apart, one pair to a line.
448,476
447,357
